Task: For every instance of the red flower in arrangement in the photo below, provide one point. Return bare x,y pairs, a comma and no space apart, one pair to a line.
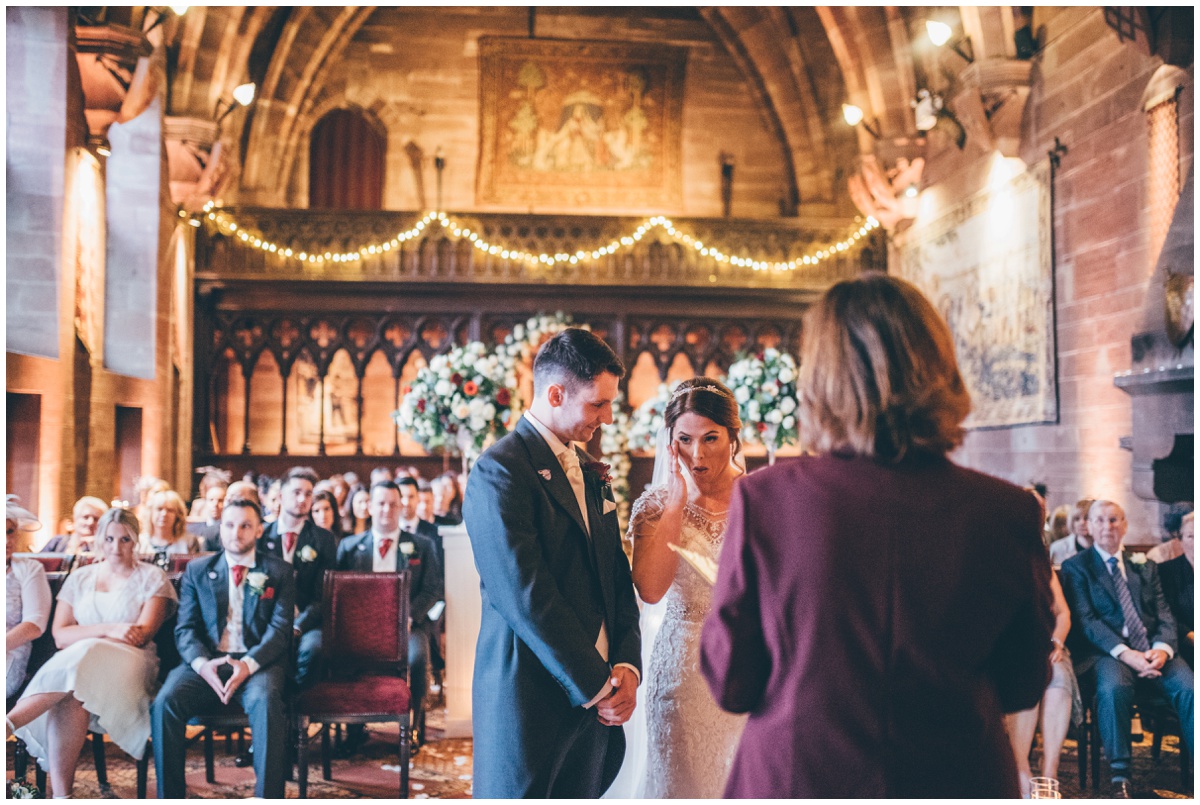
601,469
470,388
268,594
762,427
421,406
456,378
503,397
406,390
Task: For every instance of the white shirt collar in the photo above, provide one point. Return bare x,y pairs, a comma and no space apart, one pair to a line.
1105,556
249,561
556,445
410,525
378,536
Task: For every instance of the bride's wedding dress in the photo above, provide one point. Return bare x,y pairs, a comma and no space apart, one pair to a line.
690,742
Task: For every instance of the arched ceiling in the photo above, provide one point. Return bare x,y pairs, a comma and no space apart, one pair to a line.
800,65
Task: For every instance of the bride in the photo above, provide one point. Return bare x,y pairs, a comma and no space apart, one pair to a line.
688,742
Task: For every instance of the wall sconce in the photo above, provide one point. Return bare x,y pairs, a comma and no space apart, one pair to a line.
940,33
727,166
99,143
161,17
243,95
853,116
439,164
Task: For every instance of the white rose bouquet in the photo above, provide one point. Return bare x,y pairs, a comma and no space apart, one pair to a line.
459,401
648,419
764,385
614,449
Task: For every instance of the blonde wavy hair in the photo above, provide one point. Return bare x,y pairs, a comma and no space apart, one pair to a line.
878,376
168,499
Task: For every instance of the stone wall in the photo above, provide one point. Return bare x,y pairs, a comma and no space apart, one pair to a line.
1088,92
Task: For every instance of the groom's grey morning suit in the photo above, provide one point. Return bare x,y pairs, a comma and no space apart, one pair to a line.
557,595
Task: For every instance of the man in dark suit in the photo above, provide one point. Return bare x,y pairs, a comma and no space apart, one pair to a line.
310,551
209,531
1128,636
387,548
234,635
558,660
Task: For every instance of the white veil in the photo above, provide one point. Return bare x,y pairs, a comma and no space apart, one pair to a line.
631,781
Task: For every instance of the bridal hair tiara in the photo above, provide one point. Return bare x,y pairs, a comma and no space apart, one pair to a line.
679,392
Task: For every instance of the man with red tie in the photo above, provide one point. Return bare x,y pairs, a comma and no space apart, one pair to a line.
310,551
387,548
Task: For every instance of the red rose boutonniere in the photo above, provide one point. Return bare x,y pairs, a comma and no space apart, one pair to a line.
601,469
268,594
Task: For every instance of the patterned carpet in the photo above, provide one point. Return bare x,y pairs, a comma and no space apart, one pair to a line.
442,770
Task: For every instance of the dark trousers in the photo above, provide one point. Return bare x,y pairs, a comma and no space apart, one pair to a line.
185,695
1116,683
308,659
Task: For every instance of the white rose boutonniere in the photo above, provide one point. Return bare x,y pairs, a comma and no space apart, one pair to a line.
407,548
1138,559
257,584
307,553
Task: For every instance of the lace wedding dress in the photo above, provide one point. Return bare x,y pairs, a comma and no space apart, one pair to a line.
690,741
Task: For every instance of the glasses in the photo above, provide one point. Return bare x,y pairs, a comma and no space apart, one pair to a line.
1044,788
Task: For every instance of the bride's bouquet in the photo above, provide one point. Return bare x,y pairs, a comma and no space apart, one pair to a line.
459,401
764,386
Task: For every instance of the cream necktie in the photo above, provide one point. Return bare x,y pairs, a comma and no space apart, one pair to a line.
570,464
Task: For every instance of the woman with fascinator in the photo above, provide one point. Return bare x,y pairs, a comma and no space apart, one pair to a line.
680,743
27,591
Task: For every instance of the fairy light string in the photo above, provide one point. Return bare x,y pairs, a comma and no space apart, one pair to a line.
231,227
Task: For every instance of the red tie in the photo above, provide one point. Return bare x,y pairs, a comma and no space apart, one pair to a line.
239,573
289,541
385,545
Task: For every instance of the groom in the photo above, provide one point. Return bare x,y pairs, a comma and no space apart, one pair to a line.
559,654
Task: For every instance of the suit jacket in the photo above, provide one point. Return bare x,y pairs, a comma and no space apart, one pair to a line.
426,587
209,535
546,587
430,531
876,621
1178,578
1096,611
204,608
310,574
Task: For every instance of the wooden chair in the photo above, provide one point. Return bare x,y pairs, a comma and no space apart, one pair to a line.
365,627
51,562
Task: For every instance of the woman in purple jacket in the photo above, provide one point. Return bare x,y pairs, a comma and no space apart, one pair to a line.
878,608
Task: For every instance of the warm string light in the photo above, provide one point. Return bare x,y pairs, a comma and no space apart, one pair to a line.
231,227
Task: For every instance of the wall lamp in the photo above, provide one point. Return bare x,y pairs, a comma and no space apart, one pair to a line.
940,33
853,115
243,95
161,17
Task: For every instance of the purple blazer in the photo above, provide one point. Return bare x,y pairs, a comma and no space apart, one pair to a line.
876,621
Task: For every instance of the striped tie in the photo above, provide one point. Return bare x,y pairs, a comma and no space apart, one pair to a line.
1133,623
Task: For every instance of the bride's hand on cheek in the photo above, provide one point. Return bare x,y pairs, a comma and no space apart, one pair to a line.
677,488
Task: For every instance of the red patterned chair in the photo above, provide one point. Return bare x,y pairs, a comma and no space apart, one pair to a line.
365,630
51,562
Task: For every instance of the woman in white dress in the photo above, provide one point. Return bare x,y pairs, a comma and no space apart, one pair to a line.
690,742
104,674
27,593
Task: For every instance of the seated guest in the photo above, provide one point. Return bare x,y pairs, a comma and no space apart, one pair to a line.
1172,520
1060,705
360,512
1078,540
208,531
104,674
447,500
213,476
325,513
425,501
241,490
168,535
87,512
310,551
379,475
1179,588
28,594
1130,636
234,633
411,521
1057,526
270,499
386,548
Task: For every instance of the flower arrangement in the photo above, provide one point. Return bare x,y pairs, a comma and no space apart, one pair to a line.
459,401
19,789
523,342
764,385
614,447
648,419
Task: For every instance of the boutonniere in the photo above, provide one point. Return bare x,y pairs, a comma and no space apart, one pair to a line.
307,553
256,582
407,548
601,469
1137,559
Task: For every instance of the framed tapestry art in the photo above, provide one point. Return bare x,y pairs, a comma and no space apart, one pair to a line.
988,267
580,124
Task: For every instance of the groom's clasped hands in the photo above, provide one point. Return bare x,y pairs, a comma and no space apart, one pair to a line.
211,674
616,708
